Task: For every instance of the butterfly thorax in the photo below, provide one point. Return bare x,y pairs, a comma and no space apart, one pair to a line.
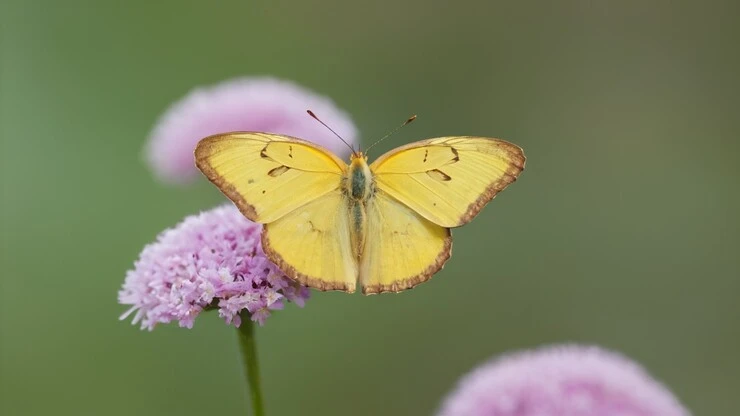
359,183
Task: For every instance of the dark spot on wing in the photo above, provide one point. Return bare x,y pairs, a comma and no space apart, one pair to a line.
278,171
250,181
263,191
439,175
426,153
454,152
313,227
290,151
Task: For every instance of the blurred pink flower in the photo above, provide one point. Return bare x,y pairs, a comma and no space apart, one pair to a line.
211,260
243,104
561,381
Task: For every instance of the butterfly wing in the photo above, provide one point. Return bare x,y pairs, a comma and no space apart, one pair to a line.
448,180
293,187
312,244
402,248
268,175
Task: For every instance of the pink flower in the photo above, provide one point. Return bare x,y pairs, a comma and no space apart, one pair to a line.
244,104
561,381
213,260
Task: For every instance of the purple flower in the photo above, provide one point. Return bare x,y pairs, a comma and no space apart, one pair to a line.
244,104
561,381
213,260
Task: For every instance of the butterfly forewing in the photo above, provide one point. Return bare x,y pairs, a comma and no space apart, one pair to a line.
268,175
448,180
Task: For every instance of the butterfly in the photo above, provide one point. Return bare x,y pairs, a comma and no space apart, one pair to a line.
328,224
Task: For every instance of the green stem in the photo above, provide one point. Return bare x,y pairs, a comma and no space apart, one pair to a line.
249,360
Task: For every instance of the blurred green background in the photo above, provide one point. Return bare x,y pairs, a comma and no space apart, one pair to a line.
623,231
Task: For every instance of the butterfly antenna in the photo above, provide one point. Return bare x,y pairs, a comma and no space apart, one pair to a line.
310,113
412,118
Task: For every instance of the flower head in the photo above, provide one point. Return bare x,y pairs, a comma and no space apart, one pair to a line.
561,381
211,260
243,104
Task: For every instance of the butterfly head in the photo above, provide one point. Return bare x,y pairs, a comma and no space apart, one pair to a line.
358,165
358,156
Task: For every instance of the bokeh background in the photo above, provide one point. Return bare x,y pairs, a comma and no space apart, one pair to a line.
623,231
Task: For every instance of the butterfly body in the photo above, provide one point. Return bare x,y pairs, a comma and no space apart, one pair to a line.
358,189
328,224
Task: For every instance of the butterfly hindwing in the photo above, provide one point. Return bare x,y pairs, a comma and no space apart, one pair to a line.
312,244
448,180
402,248
268,175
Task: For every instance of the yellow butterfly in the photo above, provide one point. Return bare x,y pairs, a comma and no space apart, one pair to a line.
328,224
